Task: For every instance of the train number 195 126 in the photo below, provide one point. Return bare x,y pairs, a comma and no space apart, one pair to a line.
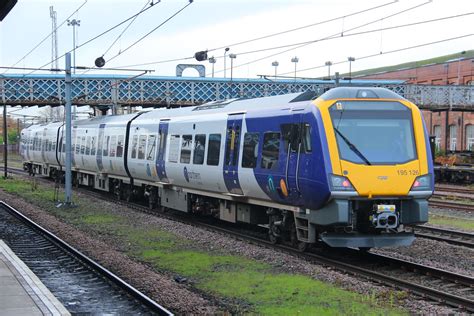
408,172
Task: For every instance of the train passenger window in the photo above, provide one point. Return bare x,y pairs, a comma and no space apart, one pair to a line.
199,149
113,146
134,146
141,146
186,146
105,151
307,138
151,148
78,145
93,145
88,145
120,146
271,150
83,145
53,147
250,153
174,148
214,149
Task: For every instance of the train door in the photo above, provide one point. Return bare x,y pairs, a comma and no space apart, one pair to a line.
231,157
100,147
160,157
294,145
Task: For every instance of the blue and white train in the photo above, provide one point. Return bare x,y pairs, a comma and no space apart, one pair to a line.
351,168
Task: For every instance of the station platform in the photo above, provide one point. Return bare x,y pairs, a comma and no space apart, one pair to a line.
21,292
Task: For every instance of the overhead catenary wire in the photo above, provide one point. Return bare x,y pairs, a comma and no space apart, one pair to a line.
303,27
336,36
124,30
153,30
383,53
48,36
97,36
263,37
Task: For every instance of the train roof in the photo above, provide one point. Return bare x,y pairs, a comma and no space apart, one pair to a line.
360,93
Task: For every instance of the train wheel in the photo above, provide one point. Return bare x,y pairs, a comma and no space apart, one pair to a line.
273,233
299,245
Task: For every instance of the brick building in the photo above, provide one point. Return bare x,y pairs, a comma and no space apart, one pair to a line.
454,130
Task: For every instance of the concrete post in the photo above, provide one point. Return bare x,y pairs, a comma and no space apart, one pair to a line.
68,180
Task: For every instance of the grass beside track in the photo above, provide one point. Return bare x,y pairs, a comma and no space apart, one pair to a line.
251,286
454,222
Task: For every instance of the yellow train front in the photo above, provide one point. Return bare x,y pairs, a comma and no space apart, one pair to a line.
380,169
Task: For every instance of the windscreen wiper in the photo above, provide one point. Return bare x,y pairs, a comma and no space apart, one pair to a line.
353,147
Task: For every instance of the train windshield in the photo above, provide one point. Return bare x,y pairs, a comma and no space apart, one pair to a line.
373,132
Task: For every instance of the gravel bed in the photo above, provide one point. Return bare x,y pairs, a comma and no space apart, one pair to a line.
181,298
451,213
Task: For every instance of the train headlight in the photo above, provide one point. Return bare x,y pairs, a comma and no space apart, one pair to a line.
422,183
340,183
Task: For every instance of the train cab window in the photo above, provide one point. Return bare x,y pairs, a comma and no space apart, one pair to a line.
134,146
151,148
141,146
271,150
93,144
250,153
199,149
88,145
214,149
291,136
113,146
174,148
307,138
186,145
105,151
120,146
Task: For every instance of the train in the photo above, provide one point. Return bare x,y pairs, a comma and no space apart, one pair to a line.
350,168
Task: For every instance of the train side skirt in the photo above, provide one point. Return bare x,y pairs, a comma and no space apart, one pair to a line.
367,241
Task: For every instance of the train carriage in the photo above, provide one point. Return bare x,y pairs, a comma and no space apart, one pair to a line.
350,168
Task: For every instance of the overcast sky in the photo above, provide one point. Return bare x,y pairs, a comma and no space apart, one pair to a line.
210,24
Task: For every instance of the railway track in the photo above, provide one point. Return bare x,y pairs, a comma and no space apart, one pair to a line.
81,285
451,205
454,237
453,189
439,285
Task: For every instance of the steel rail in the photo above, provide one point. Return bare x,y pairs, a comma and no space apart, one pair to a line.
418,289
142,298
454,237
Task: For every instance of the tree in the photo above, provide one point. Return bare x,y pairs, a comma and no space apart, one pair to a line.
52,114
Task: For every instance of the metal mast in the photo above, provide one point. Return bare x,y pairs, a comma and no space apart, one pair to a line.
54,38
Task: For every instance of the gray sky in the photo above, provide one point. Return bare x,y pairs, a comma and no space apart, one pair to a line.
208,24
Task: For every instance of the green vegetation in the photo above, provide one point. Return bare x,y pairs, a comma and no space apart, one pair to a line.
12,137
254,285
455,222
